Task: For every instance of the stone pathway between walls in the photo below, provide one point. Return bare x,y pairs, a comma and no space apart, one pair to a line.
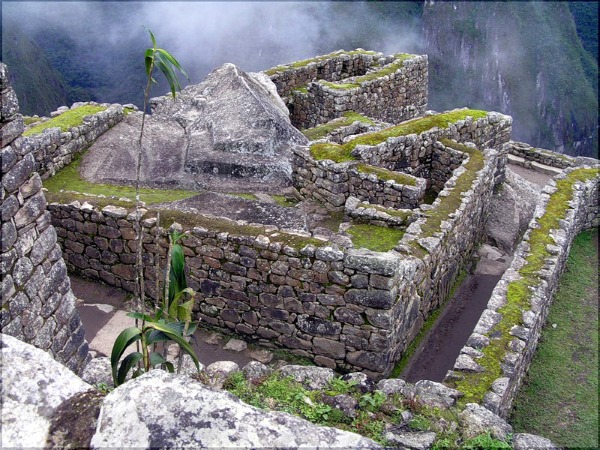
103,312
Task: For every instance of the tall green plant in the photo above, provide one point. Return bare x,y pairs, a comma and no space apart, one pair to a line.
172,320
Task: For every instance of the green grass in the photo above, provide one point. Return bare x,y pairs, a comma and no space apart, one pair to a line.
284,201
390,211
347,119
246,196
68,178
384,174
306,62
384,71
559,398
372,237
342,153
475,385
66,120
28,120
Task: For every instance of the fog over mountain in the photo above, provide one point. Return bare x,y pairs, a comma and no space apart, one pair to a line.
95,50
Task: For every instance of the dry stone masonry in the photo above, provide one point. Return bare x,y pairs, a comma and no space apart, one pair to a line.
38,305
392,89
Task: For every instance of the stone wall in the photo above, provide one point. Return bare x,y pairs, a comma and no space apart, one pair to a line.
517,348
391,97
38,305
345,308
542,156
332,67
420,155
54,149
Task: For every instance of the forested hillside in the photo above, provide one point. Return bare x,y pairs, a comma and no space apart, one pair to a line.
536,61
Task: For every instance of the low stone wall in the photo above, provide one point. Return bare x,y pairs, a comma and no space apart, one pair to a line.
332,67
392,97
54,149
38,305
542,156
512,339
420,155
345,308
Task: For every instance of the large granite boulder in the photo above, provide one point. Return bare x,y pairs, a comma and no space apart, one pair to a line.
165,410
33,386
229,133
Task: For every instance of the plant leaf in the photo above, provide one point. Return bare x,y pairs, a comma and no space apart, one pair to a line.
156,336
178,338
170,367
140,316
127,337
151,36
156,359
128,362
170,58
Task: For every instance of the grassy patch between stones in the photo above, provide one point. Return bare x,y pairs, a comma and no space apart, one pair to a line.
384,174
28,120
284,201
372,237
475,385
389,211
347,119
559,398
68,179
66,120
341,153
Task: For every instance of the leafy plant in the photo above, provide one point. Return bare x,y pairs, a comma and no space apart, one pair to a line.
171,320
337,386
372,401
485,442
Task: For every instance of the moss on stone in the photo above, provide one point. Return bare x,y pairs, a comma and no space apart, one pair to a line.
475,385
66,120
384,174
380,73
415,126
390,211
28,120
244,195
306,62
372,237
347,119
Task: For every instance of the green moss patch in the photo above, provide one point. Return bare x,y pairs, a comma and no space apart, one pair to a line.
68,179
372,237
347,119
380,73
244,195
306,62
474,386
284,201
28,120
384,174
390,211
343,152
66,120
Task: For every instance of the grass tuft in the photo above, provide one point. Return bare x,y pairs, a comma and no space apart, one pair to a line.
347,119
372,237
384,174
66,120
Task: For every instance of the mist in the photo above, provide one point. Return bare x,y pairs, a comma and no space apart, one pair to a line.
204,35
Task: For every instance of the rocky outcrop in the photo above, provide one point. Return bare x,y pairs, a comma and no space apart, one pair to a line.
230,126
202,417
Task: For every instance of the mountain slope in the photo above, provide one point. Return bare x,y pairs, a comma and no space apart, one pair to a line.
512,57
39,86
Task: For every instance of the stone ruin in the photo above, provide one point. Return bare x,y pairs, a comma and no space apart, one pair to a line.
369,153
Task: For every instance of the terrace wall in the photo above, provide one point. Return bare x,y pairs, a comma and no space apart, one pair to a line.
38,305
419,155
349,309
54,149
583,212
393,98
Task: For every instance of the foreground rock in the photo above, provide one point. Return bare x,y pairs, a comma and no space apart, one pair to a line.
33,386
137,415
